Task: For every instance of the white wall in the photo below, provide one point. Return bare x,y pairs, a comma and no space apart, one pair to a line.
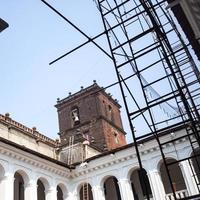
95,172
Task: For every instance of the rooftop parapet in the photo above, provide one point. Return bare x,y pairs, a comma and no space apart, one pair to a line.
31,132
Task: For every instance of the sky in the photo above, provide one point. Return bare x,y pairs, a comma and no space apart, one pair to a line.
36,36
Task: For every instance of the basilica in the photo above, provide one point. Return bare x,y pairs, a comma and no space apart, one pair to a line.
90,160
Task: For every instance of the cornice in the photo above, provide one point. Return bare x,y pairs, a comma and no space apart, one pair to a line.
33,160
84,92
84,170
117,158
93,164
11,124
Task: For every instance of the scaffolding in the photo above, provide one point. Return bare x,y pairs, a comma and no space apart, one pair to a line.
156,74
145,43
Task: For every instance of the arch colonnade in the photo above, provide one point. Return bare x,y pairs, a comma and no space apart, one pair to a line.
21,184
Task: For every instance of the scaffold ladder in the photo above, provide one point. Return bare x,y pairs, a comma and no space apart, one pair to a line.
70,151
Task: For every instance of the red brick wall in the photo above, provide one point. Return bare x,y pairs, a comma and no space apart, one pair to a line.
87,110
99,118
114,137
104,107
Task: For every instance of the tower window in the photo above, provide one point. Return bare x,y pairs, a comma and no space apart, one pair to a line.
116,135
110,108
75,116
110,113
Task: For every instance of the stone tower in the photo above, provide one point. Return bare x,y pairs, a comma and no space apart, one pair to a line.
91,114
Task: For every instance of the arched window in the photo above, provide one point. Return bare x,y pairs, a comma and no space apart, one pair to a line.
111,189
75,116
140,184
40,190
110,113
116,137
86,192
59,193
175,174
18,187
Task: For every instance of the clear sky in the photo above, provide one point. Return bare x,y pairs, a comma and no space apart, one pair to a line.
36,36
29,86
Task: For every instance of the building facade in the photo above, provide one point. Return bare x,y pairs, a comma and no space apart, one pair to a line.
35,167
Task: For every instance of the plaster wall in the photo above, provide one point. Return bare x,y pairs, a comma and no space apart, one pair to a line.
23,139
95,171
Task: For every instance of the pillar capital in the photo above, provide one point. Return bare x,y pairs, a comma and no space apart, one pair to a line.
9,176
51,189
155,171
31,183
97,187
124,181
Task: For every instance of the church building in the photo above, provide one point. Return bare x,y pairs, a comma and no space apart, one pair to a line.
91,159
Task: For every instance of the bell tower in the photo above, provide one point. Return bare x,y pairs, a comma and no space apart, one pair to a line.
91,114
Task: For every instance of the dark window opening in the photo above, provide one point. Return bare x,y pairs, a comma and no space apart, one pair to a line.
75,116
18,187
59,193
176,177
140,184
111,189
40,190
86,192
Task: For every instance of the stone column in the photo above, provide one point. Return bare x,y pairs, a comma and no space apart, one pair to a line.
98,193
7,183
125,189
65,196
72,196
188,177
51,193
156,185
30,192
